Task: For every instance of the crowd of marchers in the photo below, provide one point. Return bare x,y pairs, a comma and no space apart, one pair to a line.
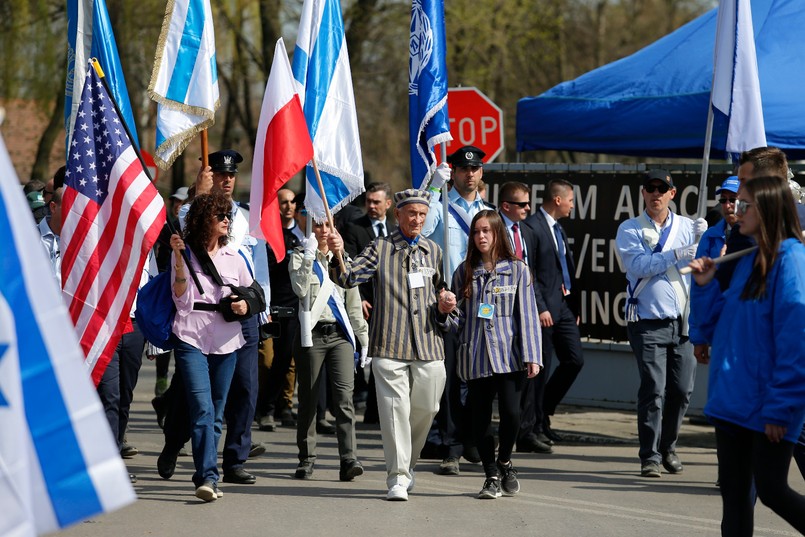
421,317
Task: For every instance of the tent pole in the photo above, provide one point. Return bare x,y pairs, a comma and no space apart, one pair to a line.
708,140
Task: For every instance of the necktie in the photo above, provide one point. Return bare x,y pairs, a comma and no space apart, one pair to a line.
381,231
560,244
518,244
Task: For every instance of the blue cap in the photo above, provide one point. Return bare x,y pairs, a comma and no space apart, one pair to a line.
731,184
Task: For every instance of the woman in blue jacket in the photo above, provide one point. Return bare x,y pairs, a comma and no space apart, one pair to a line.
500,343
756,392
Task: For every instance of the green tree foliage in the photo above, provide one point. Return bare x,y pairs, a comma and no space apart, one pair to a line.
507,48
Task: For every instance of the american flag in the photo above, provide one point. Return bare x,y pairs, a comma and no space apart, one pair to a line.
112,216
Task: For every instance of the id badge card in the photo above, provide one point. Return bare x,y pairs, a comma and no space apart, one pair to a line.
486,311
415,280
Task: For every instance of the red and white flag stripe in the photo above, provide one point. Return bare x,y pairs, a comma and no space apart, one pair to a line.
104,248
282,148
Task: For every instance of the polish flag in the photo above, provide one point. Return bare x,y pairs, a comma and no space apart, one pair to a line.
282,148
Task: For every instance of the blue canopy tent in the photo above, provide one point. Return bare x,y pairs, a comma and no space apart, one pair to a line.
654,102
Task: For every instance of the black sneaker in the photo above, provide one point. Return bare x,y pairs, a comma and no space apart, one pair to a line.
491,489
127,451
256,450
508,479
267,423
350,469
304,470
449,466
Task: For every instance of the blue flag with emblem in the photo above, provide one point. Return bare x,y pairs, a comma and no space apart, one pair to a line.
59,463
428,122
90,35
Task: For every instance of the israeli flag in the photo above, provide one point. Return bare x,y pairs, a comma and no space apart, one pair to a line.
90,35
428,122
59,463
184,82
324,84
736,82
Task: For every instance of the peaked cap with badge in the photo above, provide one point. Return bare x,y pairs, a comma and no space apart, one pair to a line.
469,155
225,161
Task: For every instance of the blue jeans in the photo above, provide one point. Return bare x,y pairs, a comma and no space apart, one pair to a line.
207,379
667,372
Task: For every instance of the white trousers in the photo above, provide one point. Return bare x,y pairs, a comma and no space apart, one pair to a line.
408,395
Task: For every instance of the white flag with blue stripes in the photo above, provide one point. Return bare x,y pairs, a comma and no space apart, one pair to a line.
736,81
324,84
59,463
184,82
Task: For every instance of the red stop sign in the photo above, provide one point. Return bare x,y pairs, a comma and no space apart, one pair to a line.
474,120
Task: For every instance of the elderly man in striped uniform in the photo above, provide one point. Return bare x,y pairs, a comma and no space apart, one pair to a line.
411,304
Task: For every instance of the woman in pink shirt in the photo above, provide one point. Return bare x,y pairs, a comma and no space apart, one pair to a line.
205,342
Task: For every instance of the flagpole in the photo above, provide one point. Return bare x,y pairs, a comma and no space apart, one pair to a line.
327,210
97,66
708,140
445,221
204,150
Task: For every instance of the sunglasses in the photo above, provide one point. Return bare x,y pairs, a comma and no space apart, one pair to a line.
223,216
741,207
521,204
652,188
722,201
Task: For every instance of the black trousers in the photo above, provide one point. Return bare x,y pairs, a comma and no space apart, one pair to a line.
242,400
542,393
117,384
130,351
453,418
271,388
481,393
746,457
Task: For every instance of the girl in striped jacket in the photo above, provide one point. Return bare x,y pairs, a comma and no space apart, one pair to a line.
500,343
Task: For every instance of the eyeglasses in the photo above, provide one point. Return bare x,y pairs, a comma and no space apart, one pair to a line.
303,212
223,216
652,188
722,201
521,204
741,207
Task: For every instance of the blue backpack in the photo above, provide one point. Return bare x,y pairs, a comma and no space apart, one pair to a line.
156,310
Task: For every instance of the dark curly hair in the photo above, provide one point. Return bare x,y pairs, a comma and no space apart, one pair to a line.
197,229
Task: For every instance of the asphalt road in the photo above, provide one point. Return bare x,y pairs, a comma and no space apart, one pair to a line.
588,487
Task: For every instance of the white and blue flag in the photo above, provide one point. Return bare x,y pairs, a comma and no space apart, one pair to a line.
184,82
59,463
90,35
428,122
736,82
324,84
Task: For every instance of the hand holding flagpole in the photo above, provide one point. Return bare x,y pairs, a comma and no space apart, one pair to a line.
327,212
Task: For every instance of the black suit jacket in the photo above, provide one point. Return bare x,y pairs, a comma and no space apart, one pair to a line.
543,259
358,235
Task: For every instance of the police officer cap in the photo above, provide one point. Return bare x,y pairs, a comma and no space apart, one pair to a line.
467,156
225,161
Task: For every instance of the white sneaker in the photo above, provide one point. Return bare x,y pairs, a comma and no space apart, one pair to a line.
397,493
411,483
207,492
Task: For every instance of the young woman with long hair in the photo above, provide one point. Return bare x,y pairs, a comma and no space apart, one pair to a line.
499,343
756,391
